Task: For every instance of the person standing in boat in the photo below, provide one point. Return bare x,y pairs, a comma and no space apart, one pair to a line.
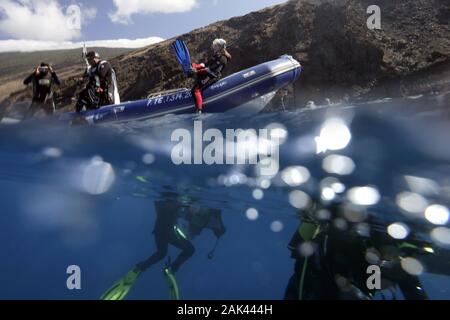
43,79
210,72
101,88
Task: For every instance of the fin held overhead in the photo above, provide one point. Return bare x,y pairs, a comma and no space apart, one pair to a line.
182,55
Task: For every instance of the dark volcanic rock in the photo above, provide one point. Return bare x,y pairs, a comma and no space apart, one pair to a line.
340,55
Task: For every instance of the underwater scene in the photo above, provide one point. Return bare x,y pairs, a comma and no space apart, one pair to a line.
336,201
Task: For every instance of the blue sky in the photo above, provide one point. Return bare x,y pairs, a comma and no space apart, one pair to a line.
169,25
114,19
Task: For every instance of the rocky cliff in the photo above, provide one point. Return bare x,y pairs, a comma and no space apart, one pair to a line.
410,54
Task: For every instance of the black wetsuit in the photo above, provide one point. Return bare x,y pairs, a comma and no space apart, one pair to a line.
42,92
97,92
343,253
167,214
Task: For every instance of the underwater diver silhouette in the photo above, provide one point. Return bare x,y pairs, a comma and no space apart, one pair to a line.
167,232
331,264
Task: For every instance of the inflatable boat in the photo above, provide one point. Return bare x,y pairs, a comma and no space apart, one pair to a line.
228,93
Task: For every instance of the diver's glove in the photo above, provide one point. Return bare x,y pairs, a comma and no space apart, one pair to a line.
191,73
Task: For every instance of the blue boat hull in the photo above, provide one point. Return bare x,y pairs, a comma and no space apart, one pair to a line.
226,94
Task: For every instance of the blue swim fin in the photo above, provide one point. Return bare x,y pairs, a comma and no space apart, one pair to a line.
182,55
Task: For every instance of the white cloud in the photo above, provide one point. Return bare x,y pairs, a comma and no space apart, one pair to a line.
40,20
87,14
126,8
36,45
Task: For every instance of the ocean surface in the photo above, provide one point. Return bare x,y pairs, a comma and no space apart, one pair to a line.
85,197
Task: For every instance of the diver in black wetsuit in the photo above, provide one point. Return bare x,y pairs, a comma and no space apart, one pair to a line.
101,87
310,281
167,232
43,80
331,264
